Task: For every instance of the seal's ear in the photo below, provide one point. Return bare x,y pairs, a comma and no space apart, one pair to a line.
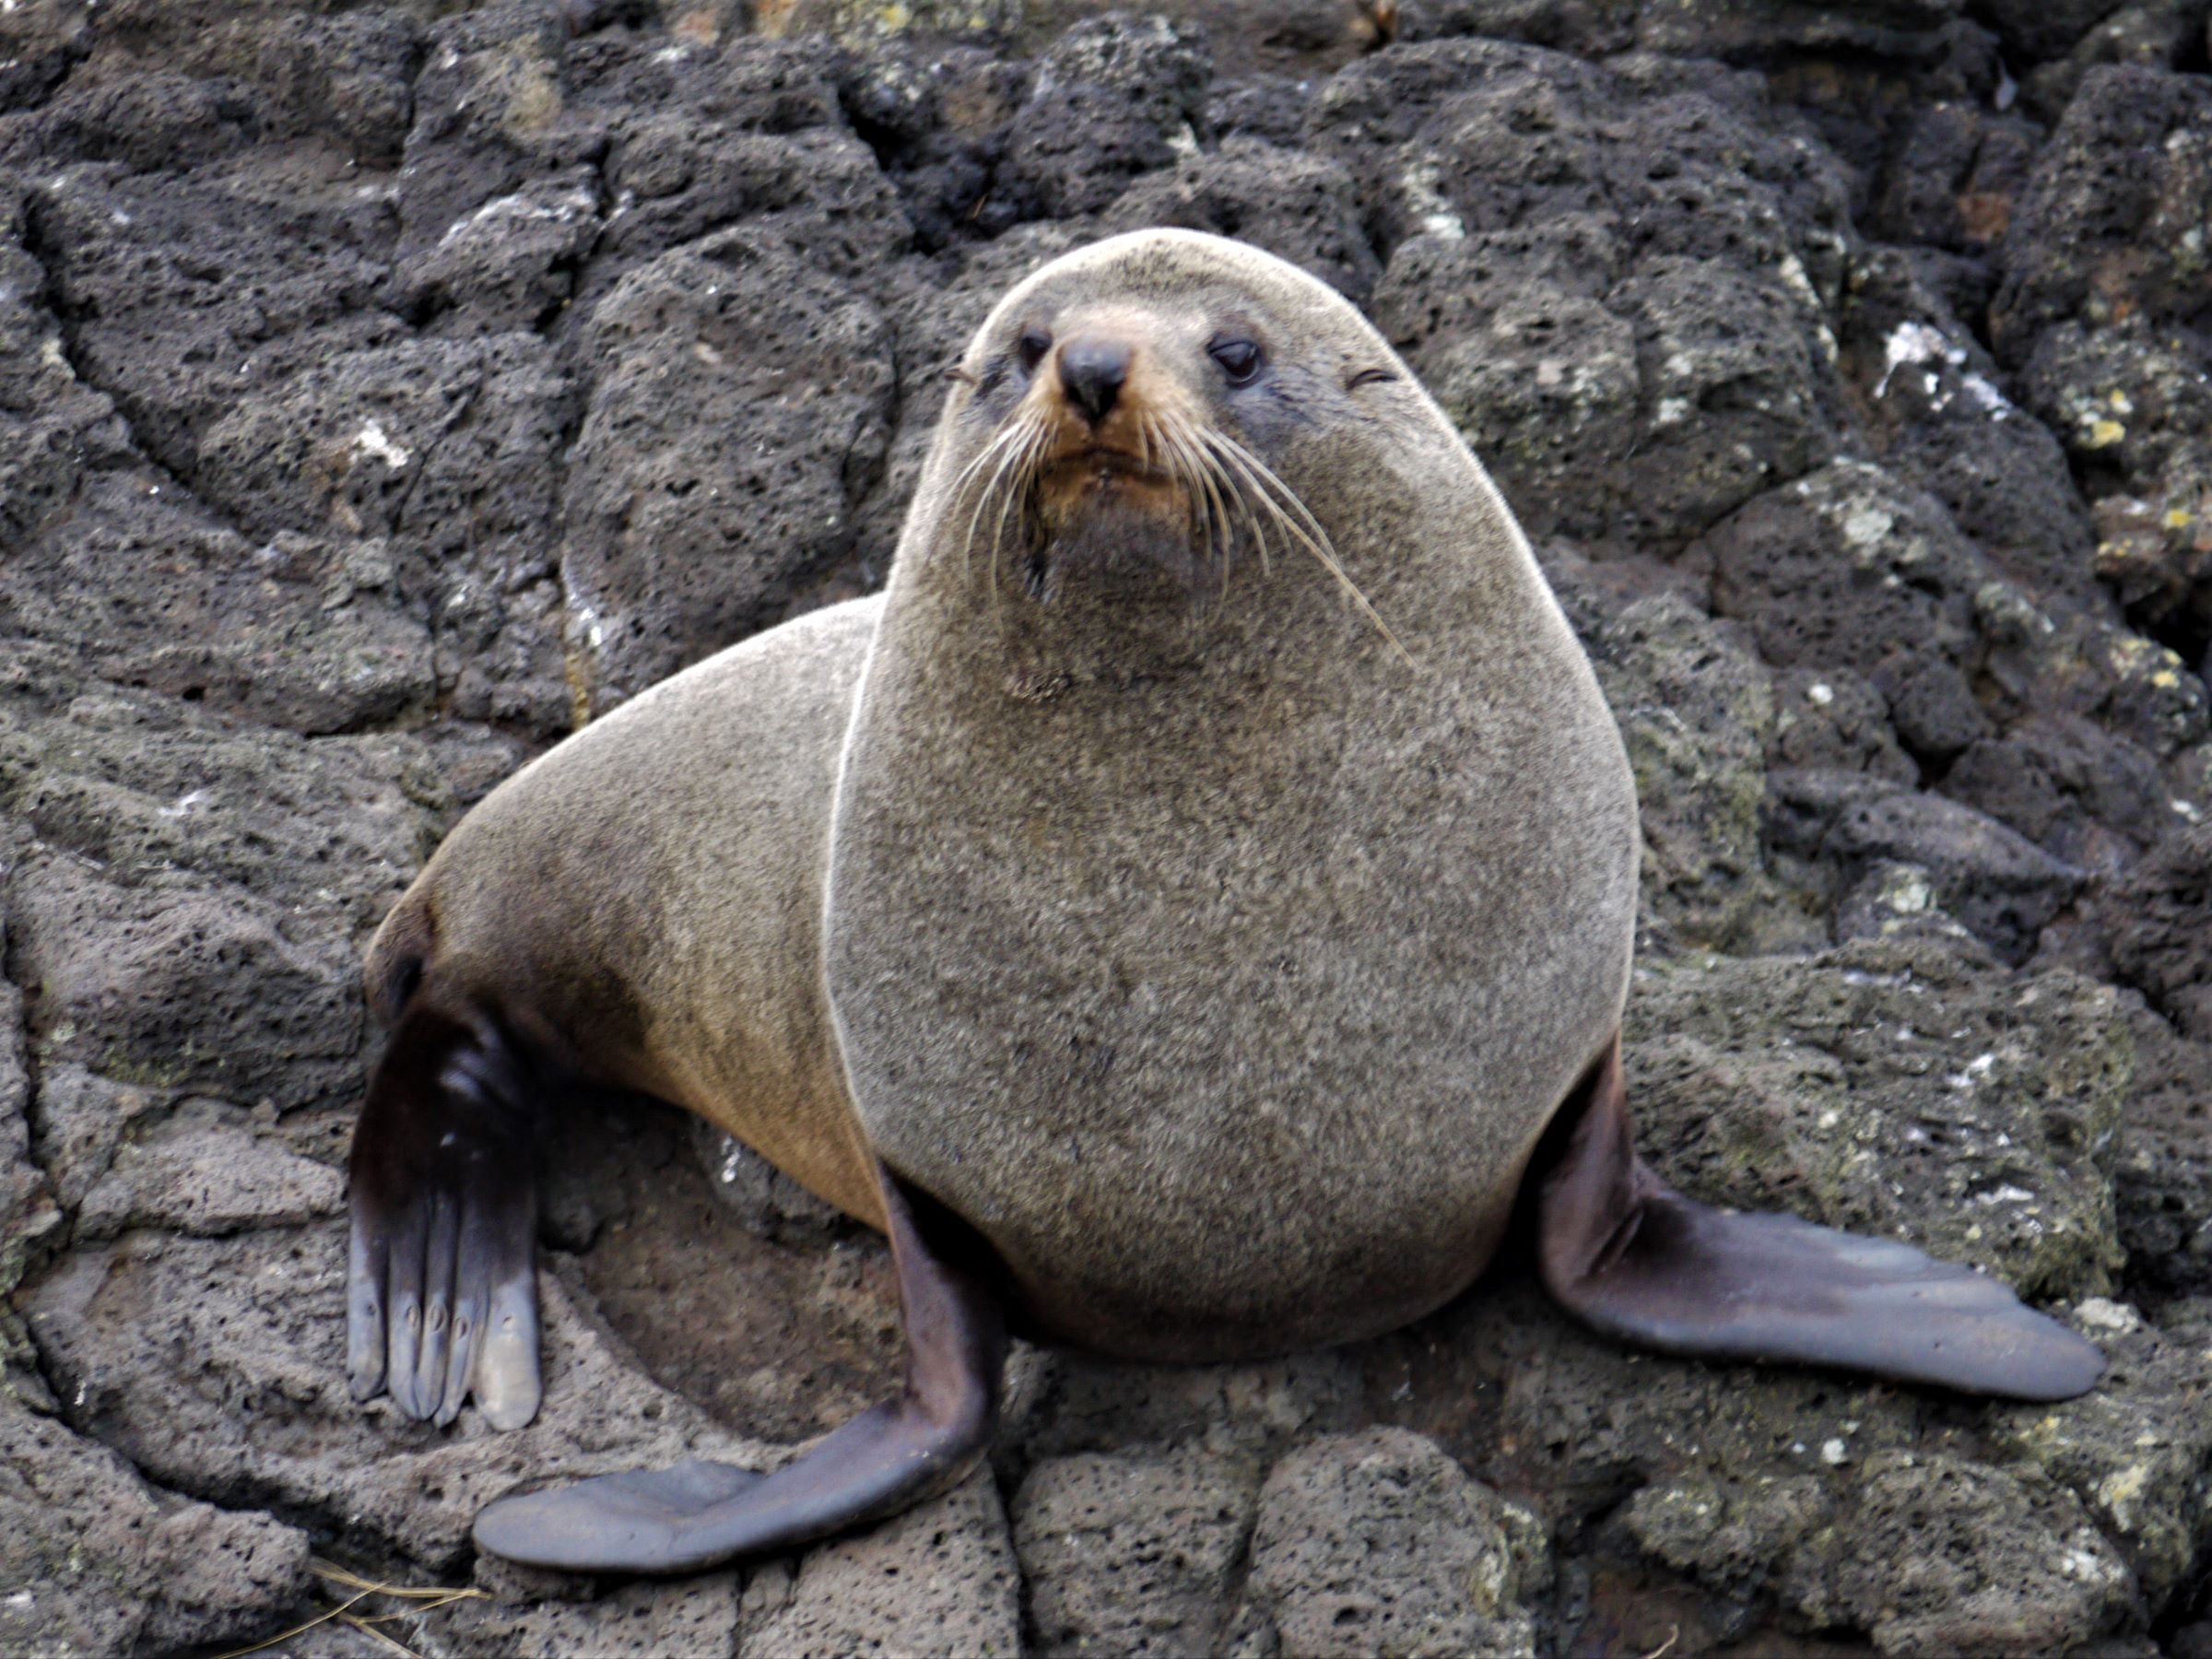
442,1282
921,1442
1635,1260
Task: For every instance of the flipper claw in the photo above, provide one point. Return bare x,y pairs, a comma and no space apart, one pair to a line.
442,1287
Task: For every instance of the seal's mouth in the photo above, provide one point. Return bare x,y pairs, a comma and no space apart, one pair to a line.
1106,460
1081,473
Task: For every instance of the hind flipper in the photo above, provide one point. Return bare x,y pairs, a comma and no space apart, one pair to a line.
441,1283
1637,1261
890,1457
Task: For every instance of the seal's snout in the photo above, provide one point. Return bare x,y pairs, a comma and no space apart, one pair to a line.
1093,370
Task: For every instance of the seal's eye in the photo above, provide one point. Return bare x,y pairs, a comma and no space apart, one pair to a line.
1030,348
1240,360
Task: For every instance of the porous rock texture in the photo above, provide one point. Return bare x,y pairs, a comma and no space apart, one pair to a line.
386,388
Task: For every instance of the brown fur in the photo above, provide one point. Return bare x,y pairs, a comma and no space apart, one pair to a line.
649,892
1216,963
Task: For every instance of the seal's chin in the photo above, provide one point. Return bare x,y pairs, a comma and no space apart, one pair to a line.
1104,514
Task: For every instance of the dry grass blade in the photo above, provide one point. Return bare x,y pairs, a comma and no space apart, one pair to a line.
331,1573
389,1644
429,1599
324,1617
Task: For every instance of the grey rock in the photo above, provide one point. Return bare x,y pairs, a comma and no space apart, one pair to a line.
1578,265
2164,1179
1941,419
1938,1554
2124,400
2085,796
1306,38
2135,1448
2161,940
1893,901
2036,31
493,109
2156,547
1728,1535
349,75
1114,98
1696,712
205,1175
2150,34
215,1365
180,987
695,1617
1900,1087
1132,1553
768,1204
2102,232
1847,569
42,42
1832,720
1706,28
1378,1543
183,295
821,192
1952,175
1824,830
940,1577
80,1120
27,1210
156,795
856,23
509,265
741,405
147,588
1296,206
1253,1412
93,1561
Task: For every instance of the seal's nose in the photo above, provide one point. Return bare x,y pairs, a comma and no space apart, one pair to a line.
1091,372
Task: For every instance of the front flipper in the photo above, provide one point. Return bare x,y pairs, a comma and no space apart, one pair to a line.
1635,1260
890,1457
441,1286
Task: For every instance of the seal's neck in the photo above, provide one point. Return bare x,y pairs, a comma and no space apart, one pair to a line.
1120,600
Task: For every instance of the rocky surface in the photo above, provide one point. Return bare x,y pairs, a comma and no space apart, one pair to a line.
386,388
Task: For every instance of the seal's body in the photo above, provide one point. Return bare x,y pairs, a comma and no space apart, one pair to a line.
1189,913
1303,934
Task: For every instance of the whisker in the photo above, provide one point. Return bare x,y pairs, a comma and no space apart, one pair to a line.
1315,538
1239,494
1015,484
1211,511
1016,438
975,464
1018,479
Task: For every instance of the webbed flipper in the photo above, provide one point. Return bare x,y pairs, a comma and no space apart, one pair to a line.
441,1283
1637,1261
923,1441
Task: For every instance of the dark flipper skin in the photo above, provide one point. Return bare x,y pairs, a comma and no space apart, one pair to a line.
441,1286
1635,1260
890,1457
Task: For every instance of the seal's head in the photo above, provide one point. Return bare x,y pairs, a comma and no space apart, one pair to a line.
1150,395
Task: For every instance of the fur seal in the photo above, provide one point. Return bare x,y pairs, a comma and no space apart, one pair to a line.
1187,913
